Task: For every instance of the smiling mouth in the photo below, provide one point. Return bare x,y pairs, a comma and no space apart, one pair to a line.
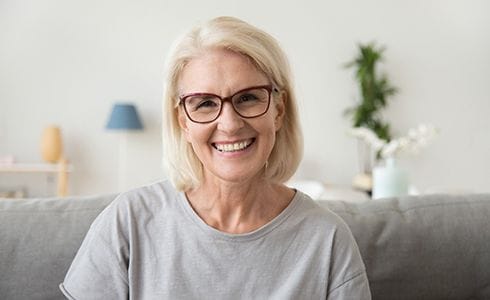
233,147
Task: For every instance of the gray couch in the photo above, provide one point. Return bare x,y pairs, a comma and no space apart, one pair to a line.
426,247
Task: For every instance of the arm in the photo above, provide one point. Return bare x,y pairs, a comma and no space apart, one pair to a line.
99,270
348,275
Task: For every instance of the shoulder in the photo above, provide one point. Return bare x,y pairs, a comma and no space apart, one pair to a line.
138,205
324,227
346,264
310,211
150,197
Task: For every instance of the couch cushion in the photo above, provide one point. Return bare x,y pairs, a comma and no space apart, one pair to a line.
425,247
38,240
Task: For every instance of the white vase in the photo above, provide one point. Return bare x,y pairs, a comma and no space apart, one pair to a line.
389,180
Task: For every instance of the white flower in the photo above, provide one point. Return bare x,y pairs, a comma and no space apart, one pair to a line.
368,136
416,139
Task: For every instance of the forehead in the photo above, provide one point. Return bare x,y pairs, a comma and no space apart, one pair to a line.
220,71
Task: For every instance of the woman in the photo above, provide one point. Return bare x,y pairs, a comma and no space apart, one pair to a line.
225,226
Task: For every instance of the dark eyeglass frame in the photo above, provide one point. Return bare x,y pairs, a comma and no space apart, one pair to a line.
269,88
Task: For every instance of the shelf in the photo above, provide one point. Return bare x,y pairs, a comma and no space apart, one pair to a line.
61,169
33,168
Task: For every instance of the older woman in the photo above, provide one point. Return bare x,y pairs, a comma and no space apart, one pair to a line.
225,226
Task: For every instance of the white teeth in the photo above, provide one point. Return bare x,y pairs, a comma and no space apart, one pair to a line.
233,147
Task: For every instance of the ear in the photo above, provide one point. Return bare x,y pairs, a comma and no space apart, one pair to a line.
280,105
182,118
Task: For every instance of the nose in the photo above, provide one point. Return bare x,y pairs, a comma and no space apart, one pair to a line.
229,121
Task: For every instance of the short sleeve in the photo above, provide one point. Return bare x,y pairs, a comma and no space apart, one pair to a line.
354,289
349,280
99,270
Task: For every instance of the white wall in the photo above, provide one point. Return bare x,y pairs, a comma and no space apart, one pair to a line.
66,62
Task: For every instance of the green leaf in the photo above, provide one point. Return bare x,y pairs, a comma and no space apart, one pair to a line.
375,90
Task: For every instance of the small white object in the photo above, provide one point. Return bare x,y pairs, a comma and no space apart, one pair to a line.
342,193
7,160
389,180
312,188
319,191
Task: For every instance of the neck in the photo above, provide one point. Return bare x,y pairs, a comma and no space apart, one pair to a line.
238,207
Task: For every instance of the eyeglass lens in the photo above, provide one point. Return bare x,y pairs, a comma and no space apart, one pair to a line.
247,103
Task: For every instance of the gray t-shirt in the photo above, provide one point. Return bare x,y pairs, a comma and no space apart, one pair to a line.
150,244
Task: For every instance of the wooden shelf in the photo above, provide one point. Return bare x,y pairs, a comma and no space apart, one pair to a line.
33,168
61,169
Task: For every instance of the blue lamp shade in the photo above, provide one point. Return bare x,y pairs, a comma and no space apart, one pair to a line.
124,117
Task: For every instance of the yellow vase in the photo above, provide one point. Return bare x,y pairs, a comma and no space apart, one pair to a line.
51,145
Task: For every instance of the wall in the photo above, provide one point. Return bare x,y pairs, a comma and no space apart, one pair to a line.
67,62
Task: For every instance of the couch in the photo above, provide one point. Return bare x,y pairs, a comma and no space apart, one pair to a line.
424,247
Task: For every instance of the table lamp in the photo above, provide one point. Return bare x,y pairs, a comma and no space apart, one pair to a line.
124,117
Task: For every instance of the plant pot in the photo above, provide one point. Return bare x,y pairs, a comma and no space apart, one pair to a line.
389,180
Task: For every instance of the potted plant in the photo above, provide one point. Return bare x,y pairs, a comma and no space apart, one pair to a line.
389,180
375,90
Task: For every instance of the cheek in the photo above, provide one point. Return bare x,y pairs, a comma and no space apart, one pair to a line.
193,133
197,134
190,135
269,130
275,121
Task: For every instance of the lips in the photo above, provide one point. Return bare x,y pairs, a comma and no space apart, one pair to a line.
233,147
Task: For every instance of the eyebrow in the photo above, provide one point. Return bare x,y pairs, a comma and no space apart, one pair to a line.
272,86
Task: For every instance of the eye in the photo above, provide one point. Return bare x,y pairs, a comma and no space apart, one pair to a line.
247,97
202,103
206,103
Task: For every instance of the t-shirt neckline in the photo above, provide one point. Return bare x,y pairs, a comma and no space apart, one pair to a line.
239,237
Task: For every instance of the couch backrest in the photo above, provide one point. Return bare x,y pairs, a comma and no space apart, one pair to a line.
425,247
38,240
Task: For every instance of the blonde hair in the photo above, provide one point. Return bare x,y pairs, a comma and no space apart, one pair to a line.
182,165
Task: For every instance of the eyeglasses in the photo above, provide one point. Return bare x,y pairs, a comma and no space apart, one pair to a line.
248,103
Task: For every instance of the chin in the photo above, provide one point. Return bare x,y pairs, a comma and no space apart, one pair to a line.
237,177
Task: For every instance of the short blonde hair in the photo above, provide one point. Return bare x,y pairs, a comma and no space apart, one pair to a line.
182,165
